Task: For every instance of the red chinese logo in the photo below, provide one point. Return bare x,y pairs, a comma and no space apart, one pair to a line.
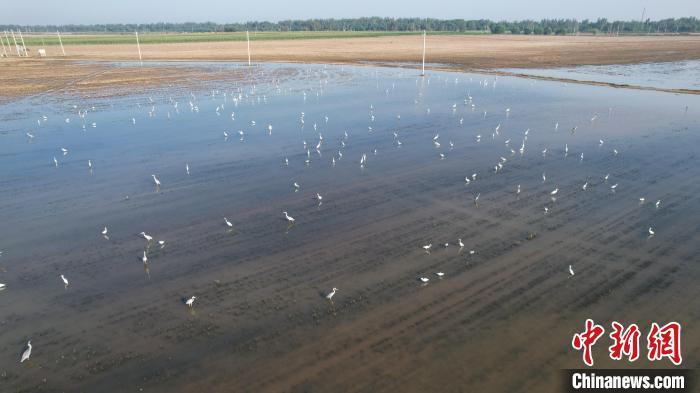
665,342
662,342
625,342
586,339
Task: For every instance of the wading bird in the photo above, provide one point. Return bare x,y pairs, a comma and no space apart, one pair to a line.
571,270
331,294
228,223
288,217
190,301
147,237
156,181
65,280
27,352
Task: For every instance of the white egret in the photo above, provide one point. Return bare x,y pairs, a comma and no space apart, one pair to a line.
424,280
156,181
228,223
331,294
27,352
319,197
147,237
190,301
555,191
658,203
144,258
651,232
427,246
459,241
187,168
440,274
65,280
571,270
55,162
288,217
161,243
585,185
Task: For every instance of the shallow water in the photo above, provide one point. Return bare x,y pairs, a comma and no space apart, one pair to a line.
260,322
667,75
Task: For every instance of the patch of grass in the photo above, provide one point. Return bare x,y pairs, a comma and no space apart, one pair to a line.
34,40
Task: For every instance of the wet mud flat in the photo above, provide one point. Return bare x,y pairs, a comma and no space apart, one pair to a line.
501,319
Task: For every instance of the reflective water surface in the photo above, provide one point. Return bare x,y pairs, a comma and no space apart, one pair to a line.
669,75
500,318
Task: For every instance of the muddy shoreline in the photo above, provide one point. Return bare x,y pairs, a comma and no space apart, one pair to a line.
25,77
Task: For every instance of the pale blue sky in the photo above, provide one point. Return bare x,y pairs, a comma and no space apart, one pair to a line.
141,11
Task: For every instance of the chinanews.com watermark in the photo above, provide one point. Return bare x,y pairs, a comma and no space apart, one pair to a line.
662,344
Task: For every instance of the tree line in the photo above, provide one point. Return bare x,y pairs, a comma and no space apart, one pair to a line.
544,26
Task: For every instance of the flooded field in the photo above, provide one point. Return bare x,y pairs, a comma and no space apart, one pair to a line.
665,75
388,153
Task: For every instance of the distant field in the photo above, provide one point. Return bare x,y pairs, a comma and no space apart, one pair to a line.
163,38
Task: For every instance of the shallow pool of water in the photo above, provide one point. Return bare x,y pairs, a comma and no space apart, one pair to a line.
388,151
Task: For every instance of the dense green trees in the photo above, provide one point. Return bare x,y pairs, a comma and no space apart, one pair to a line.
545,26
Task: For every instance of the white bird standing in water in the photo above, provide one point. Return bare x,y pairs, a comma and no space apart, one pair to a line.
144,258
288,217
651,232
65,280
585,185
424,280
544,177
228,223
440,274
517,192
55,162
555,191
190,301
187,168
319,197
27,352
156,181
331,294
427,247
571,270
658,203
147,237
459,241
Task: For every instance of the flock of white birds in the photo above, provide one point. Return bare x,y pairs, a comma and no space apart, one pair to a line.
362,161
